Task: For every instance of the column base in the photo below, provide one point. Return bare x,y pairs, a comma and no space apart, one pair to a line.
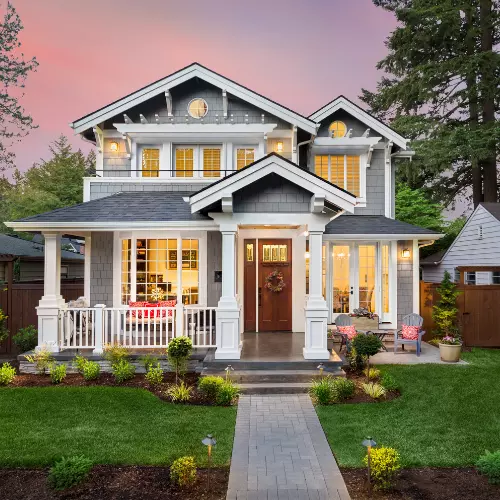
227,330
316,315
319,354
48,324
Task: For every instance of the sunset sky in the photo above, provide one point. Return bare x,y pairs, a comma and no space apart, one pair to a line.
301,53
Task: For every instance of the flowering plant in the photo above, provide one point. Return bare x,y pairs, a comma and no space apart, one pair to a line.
449,340
362,312
274,281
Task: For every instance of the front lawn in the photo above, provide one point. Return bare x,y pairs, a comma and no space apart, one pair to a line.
110,425
446,417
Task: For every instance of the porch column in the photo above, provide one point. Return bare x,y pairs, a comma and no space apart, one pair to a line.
228,310
52,300
316,311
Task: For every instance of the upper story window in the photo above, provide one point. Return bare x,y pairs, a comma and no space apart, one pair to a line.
341,170
244,156
470,278
337,129
150,164
198,108
197,161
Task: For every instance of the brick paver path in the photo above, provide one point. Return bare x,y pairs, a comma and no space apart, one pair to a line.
280,452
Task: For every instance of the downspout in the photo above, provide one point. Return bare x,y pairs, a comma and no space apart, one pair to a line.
302,144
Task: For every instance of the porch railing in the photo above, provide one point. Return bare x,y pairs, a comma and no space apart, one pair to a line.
135,327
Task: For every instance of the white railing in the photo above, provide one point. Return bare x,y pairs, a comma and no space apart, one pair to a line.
135,327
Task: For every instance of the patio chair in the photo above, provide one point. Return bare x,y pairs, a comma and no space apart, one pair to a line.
343,320
410,320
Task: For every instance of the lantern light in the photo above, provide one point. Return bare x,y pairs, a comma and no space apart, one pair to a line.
406,253
113,147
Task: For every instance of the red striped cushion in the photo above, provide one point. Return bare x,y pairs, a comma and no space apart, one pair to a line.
410,332
350,331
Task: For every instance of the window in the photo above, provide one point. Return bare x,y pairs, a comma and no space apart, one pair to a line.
184,162
274,253
385,278
211,162
150,162
366,271
198,108
190,272
495,278
341,283
249,252
198,161
244,156
470,278
337,129
341,170
457,275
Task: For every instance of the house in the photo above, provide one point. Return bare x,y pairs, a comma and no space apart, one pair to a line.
28,258
230,213
474,257
76,245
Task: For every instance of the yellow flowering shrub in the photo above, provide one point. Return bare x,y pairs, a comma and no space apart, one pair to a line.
384,465
183,471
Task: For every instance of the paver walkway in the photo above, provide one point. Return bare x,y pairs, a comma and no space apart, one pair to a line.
280,452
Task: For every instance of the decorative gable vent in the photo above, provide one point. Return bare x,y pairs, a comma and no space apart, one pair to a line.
480,232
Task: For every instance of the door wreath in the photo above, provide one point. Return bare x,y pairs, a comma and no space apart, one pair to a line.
275,282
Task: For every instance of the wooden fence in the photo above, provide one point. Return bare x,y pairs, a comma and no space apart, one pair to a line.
19,300
479,307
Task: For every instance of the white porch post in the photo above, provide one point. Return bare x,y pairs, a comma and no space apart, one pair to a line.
316,311
228,310
51,302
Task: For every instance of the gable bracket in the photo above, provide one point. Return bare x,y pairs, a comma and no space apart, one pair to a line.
126,119
99,137
168,99
128,145
318,203
227,203
369,157
224,102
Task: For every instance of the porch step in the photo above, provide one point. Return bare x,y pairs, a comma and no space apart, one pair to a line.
276,388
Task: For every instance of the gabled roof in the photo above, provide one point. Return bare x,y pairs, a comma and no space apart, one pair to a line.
11,245
342,102
492,208
434,259
194,70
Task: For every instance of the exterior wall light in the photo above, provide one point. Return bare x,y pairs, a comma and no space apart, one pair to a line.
406,254
113,147
279,147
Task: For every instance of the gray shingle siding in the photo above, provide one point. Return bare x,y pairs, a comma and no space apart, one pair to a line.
103,189
375,186
405,282
101,269
214,263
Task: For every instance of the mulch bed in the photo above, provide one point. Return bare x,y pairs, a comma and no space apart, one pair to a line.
425,484
360,396
112,482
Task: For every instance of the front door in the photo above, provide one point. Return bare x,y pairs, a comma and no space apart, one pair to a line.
275,301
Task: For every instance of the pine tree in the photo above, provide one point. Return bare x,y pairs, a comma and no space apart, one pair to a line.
445,312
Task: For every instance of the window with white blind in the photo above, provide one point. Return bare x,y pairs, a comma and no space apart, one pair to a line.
342,170
244,156
150,162
197,161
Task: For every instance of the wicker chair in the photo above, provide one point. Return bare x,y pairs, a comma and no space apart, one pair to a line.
410,320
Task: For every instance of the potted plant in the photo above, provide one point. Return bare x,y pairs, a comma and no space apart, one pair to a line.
364,320
450,348
330,339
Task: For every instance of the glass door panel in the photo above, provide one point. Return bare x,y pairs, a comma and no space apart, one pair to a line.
367,260
385,280
341,279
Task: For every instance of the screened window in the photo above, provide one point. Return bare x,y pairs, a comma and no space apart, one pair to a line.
198,108
470,278
211,162
184,162
495,278
244,156
341,170
150,162
337,129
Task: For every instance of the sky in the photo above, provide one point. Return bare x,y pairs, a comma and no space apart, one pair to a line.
301,53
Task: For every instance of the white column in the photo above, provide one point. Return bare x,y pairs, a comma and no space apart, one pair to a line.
416,277
316,311
228,310
87,268
52,301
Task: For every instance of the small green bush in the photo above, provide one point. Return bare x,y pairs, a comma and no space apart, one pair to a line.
26,338
384,465
79,363
366,346
179,393
489,465
355,360
178,352
123,370
148,361
388,382
91,370
183,471
115,353
57,373
68,472
42,360
227,392
374,390
154,375
343,388
372,373
209,386
7,374
321,391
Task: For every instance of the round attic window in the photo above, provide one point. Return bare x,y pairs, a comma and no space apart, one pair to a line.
337,129
198,108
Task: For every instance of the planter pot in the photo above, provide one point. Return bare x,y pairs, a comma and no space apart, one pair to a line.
450,353
365,323
329,344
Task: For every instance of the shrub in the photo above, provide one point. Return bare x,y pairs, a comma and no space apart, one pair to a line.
4,332
123,370
154,375
7,374
343,388
178,351
57,373
372,373
227,392
79,363
179,393
148,361
445,312
42,360
489,465
115,353
322,391
388,382
209,386
356,361
183,471
384,465
68,472
26,338
91,370
374,390
366,346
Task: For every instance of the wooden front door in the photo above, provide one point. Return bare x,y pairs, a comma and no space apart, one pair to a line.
275,308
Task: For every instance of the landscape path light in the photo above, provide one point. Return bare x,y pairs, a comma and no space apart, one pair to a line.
209,442
369,443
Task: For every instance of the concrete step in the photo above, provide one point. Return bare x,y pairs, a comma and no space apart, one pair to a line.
239,365
274,376
276,388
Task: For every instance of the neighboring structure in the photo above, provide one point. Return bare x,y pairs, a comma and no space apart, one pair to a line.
474,257
29,260
240,213
76,245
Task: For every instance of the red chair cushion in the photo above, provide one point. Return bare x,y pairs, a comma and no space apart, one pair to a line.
167,303
410,332
136,304
350,331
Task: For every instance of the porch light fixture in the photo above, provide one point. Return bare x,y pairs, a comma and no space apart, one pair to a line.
113,147
228,371
321,367
369,443
406,253
279,146
209,441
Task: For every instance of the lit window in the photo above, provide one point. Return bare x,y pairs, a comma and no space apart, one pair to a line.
150,162
341,170
244,156
249,252
198,108
190,272
211,162
184,162
337,129
274,253
470,278
495,278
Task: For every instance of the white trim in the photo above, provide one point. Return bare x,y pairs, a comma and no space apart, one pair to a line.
381,236
185,74
393,283
348,106
162,180
350,143
416,278
388,180
87,267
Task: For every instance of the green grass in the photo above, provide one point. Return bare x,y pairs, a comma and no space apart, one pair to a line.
110,425
447,415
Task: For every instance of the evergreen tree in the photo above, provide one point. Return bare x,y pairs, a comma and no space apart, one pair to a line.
441,89
445,312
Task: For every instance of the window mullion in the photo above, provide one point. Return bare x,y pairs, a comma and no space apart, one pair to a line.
345,172
133,269
179,270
